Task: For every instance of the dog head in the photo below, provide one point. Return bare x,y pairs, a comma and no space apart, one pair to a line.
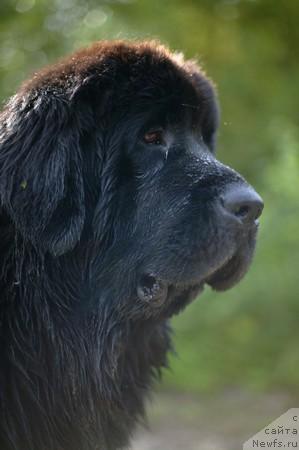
110,154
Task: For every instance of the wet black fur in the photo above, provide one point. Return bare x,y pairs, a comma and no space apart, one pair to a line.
85,209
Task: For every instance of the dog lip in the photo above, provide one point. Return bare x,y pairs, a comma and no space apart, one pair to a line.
152,289
157,292
232,270
222,277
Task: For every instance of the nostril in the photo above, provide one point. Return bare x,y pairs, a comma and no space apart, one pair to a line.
243,202
242,211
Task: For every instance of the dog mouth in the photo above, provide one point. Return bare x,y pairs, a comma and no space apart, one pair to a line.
159,293
235,267
231,272
169,297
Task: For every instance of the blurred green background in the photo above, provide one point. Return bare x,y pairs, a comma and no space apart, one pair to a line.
248,337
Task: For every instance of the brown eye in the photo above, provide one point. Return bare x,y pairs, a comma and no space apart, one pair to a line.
154,137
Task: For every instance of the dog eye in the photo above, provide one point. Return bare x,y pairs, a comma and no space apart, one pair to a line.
154,137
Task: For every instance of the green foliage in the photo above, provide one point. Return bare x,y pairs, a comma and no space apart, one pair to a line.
247,336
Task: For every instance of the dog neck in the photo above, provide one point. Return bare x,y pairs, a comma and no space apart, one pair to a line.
72,377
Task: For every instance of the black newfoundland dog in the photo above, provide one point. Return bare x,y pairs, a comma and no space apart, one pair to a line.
114,214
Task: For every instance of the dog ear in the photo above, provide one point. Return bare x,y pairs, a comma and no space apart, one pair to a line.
41,183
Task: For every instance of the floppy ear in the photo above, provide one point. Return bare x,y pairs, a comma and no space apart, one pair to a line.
41,184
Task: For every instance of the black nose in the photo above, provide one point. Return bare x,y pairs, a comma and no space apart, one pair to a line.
243,202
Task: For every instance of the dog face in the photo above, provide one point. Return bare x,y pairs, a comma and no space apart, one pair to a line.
190,219
109,157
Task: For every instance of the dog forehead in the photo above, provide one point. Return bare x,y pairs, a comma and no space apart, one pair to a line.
142,66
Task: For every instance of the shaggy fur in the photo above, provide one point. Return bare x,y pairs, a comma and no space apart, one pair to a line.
103,237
